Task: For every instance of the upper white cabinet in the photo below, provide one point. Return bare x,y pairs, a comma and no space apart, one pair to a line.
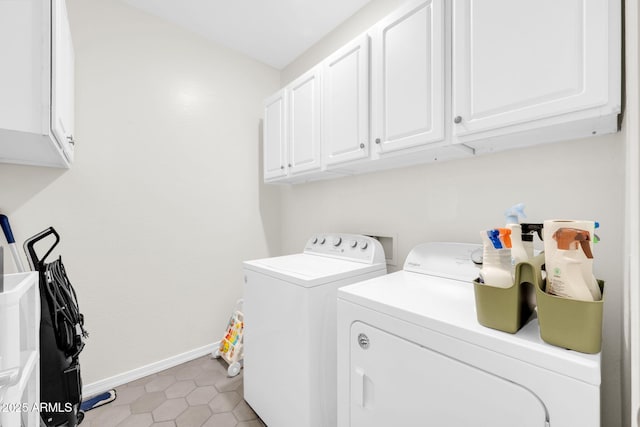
408,77
519,65
62,78
292,133
304,135
437,80
345,125
275,136
36,106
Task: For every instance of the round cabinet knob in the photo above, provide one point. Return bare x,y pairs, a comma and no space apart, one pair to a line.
282,167
378,141
362,146
322,240
457,120
289,164
364,245
353,243
314,240
337,241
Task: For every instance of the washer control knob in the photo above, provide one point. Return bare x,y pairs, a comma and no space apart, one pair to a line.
364,245
314,240
353,243
337,241
322,240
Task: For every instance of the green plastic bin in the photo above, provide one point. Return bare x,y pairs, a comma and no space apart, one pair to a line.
572,324
509,309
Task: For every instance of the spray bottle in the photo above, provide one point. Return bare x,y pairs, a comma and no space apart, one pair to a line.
518,251
568,277
528,230
496,258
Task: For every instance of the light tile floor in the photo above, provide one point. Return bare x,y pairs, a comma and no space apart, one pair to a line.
195,394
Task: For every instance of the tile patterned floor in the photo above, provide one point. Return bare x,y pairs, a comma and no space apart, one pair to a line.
195,394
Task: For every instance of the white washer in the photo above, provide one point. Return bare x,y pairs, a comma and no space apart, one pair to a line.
412,353
290,326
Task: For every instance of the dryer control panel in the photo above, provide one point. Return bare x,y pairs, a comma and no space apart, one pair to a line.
445,259
351,247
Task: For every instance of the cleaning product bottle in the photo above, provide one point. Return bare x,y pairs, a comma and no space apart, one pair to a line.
518,251
587,266
568,276
514,212
528,230
496,258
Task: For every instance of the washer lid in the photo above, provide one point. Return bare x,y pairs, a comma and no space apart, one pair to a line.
448,306
310,270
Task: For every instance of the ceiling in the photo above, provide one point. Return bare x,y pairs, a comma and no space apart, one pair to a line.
271,31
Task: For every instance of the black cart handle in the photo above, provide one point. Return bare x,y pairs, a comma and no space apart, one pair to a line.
29,244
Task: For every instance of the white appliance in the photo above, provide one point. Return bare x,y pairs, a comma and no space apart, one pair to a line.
290,327
411,353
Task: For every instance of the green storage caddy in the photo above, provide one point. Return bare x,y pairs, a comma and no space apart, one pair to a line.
568,323
572,324
508,309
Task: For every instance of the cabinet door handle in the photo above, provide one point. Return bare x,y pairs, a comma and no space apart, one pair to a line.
282,167
378,141
289,165
71,140
362,146
457,120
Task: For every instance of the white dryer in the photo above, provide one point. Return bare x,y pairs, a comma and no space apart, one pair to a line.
290,327
411,353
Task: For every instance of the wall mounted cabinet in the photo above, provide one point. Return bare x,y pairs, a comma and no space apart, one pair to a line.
37,103
437,80
275,136
520,66
304,133
345,125
409,82
408,77
292,129
62,80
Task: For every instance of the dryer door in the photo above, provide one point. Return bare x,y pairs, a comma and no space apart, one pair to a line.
395,382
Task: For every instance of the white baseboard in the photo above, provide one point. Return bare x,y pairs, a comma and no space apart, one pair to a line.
107,384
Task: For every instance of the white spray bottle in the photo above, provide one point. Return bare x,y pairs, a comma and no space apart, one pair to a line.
496,258
569,278
518,250
528,231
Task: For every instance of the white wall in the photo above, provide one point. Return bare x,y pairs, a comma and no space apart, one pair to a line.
453,201
164,201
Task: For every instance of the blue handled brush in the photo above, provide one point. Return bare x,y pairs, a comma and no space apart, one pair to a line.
6,228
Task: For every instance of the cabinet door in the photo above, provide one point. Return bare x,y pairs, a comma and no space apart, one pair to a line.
274,149
516,61
304,102
62,79
408,77
345,130
394,382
